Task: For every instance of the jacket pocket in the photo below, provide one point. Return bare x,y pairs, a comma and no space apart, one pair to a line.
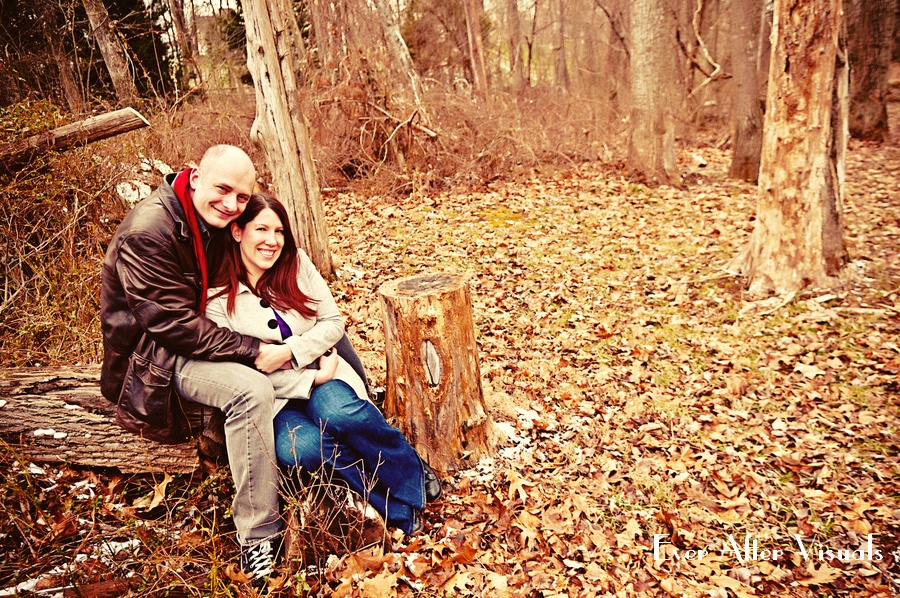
148,404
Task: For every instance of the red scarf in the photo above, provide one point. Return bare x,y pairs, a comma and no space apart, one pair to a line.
180,186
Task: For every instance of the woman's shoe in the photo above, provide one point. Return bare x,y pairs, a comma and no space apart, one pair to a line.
433,487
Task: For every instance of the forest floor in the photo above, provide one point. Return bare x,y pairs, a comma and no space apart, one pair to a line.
667,435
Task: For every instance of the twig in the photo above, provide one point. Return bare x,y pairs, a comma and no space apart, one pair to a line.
615,28
717,68
788,298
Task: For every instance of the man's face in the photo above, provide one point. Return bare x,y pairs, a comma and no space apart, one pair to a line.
222,188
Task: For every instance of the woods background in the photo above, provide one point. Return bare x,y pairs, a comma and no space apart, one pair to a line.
399,98
597,165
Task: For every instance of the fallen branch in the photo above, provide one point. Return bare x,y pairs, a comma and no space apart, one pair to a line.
82,132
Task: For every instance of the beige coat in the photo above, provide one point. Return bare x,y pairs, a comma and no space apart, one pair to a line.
309,339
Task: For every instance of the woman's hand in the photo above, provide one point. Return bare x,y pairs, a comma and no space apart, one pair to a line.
328,363
272,357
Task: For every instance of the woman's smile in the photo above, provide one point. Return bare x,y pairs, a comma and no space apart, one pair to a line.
261,241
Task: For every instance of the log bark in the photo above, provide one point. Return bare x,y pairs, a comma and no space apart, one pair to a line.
82,132
59,415
433,385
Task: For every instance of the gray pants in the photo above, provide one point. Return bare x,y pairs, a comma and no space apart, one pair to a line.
247,398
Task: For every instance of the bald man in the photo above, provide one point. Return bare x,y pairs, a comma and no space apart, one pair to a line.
159,348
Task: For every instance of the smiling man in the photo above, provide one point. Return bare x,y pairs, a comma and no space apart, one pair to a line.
159,347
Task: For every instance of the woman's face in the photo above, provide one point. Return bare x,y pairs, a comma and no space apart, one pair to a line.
261,241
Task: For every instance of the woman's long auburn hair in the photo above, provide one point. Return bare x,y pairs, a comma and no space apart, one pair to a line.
277,285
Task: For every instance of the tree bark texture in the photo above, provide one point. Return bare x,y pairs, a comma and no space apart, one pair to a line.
82,132
797,241
433,383
746,112
514,31
274,51
870,29
186,44
476,47
561,67
112,50
52,31
651,151
59,415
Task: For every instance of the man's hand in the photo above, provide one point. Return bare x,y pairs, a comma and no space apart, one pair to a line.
271,357
327,366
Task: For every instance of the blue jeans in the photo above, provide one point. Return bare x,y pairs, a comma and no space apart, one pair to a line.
348,434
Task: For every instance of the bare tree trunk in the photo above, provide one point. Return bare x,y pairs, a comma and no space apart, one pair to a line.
274,51
764,48
185,44
651,151
559,47
476,50
52,32
746,112
112,50
400,53
514,30
870,27
797,242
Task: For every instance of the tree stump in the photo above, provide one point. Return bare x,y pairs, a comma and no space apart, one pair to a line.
433,386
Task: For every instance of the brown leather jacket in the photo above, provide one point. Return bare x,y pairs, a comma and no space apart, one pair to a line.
149,302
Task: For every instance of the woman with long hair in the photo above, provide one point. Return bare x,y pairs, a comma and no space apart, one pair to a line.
263,285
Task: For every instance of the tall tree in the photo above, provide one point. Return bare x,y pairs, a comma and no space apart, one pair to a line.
112,50
476,47
561,67
186,43
53,30
274,51
514,33
746,113
870,29
798,238
651,150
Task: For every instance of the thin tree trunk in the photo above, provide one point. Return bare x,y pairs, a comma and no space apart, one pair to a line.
476,50
185,44
797,242
870,27
112,50
559,47
53,34
747,114
651,152
274,51
514,30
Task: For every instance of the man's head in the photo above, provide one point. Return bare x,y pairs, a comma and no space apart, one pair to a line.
222,184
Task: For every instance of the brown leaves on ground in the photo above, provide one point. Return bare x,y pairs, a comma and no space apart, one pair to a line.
667,435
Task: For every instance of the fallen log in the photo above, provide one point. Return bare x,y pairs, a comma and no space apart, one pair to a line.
83,132
59,415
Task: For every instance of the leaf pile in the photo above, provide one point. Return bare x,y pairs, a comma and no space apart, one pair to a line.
654,412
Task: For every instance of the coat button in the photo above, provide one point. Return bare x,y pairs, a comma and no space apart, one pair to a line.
264,304
273,324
